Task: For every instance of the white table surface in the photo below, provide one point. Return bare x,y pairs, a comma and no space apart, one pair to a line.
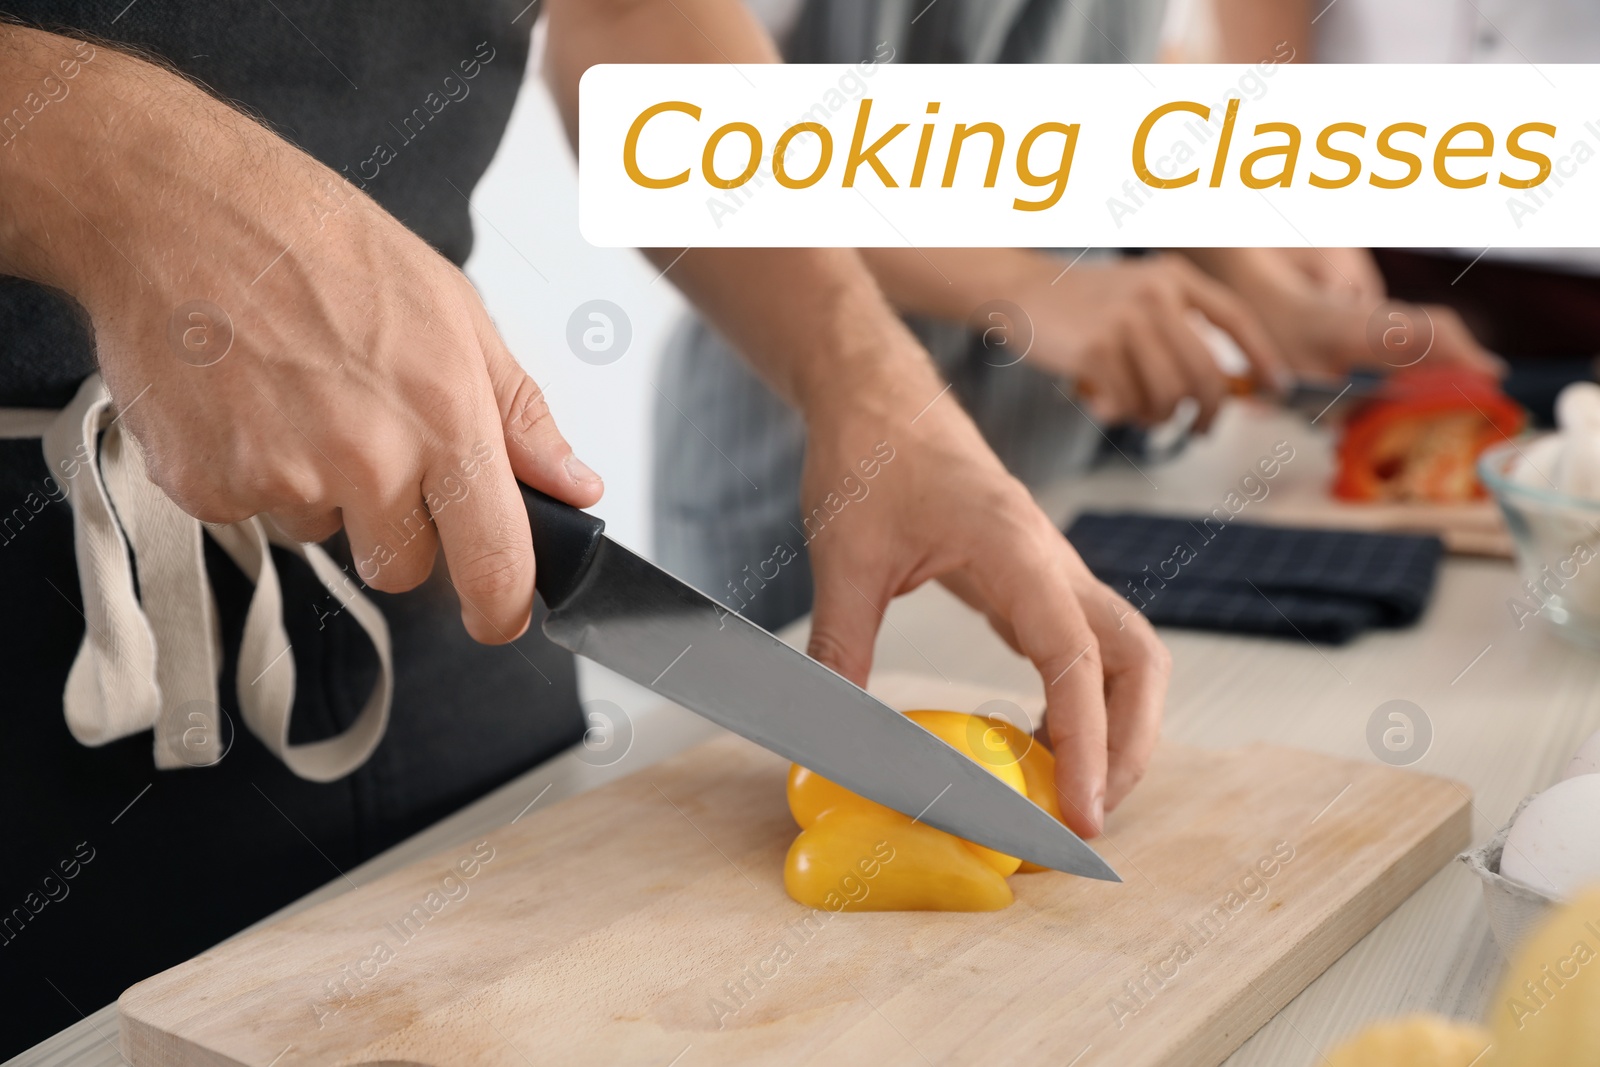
1508,707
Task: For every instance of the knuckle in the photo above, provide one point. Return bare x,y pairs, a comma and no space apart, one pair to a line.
395,576
1209,389
283,485
351,460
319,530
1163,403
494,573
528,412
1130,770
384,580
1085,658
1183,271
827,647
181,484
217,512
1157,653
1145,647
197,496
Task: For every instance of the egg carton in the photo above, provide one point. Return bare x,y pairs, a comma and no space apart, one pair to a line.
1515,910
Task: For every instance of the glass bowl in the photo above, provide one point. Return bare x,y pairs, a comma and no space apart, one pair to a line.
1557,538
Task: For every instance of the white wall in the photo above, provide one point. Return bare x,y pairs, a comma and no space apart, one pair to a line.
526,219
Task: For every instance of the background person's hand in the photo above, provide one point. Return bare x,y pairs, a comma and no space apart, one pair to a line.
944,507
1122,333
1329,314
276,341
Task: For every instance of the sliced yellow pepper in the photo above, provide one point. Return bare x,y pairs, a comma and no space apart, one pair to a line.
1038,765
932,870
858,859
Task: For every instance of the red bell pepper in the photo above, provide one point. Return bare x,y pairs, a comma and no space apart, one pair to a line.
1419,437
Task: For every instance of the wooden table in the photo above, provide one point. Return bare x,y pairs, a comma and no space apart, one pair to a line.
1507,709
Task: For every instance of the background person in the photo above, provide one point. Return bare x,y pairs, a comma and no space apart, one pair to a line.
1119,325
1111,338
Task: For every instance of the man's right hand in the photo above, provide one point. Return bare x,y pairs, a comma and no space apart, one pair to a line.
276,341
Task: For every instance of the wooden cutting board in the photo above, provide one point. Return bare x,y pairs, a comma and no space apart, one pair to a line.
1476,528
646,923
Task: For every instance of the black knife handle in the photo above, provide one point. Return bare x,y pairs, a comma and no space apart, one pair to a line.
564,542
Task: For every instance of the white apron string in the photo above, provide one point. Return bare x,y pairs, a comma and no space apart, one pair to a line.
150,660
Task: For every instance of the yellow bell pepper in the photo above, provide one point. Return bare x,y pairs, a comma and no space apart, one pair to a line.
1546,1015
1548,1010
1418,1041
859,859
930,870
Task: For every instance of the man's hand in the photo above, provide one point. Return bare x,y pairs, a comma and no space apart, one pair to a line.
944,507
277,342
1327,310
1125,334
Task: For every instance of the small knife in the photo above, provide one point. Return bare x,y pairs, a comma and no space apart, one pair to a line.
1312,397
609,605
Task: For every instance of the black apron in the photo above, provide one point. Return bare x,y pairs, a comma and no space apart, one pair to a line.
201,853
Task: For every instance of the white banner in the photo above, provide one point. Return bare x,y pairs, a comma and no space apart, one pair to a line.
1090,155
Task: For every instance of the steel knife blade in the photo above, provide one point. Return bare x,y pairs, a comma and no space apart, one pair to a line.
622,611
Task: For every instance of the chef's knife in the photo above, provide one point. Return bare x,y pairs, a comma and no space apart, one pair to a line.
625,613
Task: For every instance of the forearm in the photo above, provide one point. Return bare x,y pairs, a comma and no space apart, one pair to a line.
812,321
43,80
1251,31
949,283
82,126
73,116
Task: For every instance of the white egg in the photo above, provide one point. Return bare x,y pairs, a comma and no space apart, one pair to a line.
1586,760
1554,846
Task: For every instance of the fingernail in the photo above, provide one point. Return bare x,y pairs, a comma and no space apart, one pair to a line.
580,471
1097,811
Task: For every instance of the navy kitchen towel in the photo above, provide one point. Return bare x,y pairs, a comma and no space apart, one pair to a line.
1323,585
